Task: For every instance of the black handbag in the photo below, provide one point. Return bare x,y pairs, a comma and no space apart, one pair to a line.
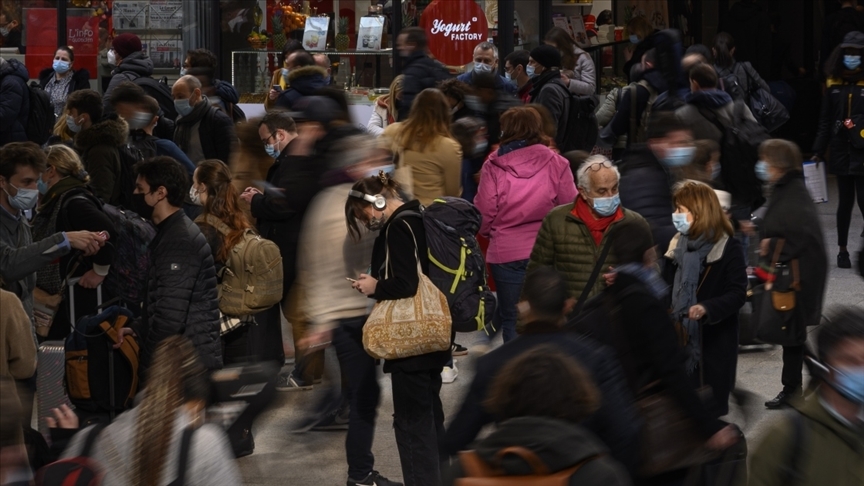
767,110
777,321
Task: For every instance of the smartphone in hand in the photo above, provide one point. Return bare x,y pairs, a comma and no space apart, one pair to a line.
351,280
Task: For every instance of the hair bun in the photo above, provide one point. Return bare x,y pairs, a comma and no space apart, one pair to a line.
82,175
383,177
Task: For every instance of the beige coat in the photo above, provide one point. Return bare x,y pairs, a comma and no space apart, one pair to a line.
17,342
436,172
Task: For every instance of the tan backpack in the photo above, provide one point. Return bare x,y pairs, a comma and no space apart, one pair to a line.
480,473
252,276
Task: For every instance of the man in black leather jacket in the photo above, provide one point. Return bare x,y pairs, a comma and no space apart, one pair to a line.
181,295
420,70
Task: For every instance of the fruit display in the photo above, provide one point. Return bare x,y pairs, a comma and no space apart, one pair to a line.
342,39
292,18
259,40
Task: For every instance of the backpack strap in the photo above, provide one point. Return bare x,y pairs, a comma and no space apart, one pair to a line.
91,439
631,137
592,279
183,462
216,223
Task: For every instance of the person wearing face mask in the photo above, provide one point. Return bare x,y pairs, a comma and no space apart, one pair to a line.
99,142
182,296
573,59
641,34
486,61
550,91
130,62
202,131
523,180
68,204
15,108
60,79
826,432
456,93
21,166
10,29
708,274
420,70
839,133
792,217
418,415
224,92
305,78
280,75
572,236
648,172
515,70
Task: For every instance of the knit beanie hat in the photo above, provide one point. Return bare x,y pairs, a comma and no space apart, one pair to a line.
547,56
125,44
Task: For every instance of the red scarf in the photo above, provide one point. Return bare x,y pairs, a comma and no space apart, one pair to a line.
597,226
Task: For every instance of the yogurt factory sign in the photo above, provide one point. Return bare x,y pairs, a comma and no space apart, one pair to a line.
454,28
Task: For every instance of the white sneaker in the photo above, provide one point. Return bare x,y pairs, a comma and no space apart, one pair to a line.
448,374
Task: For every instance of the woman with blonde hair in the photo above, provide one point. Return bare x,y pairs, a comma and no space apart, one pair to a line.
386,108
424,144
68,204
143,445
708,274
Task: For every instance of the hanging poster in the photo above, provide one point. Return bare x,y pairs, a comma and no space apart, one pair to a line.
166,14
315,33
130,14
371,31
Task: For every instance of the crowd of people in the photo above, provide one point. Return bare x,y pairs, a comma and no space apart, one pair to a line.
615,277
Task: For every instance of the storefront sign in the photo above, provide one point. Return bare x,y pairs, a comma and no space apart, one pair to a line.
454,28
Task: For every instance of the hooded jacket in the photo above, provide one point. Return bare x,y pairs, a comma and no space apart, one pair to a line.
135,65
714,100
845,159
516,191
216,135
548,90
14,102
558,444
304,81
646,187
99,147
420,72
831,452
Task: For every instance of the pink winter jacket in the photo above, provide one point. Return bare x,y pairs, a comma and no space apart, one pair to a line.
516,192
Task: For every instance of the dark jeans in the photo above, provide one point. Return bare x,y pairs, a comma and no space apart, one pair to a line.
508,284
359,371
419,422
847,186
793,360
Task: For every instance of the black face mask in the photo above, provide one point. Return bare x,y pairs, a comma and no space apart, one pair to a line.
140,206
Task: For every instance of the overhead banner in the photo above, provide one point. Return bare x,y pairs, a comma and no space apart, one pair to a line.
454,28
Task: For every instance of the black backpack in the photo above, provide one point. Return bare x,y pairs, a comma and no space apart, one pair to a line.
582,129
135,150
739,152
40,122
732,83
161,92
457,266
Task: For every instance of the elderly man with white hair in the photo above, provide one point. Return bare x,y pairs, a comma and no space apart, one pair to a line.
573,237
486,61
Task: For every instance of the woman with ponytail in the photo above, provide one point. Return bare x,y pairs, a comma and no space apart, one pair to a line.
735,76
142,447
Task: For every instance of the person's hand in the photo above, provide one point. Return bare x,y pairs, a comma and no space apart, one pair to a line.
764,246
122,335
565,79
697,312
90,280
816,158
64,418
86,241
610,277
249,193
365,284
273,94
747,227
315,340
724,438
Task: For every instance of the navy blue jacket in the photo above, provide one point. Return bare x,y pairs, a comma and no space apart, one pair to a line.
500,82
14,102
304,82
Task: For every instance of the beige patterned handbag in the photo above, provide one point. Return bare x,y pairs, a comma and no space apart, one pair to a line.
408,327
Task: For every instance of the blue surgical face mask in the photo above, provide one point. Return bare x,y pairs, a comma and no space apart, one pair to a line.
678,156
681,223
529,70
24,199
606,206
634,39
327,80
183,107
271,150
762,171
482,67
61,67
70,123
852,62
480,147
183,71
715,171
285,72
41,186
849,382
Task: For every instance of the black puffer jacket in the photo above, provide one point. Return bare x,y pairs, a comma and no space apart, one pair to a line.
80,79
14,102
99,147
843,99
645,188
421,72
181,296
130,68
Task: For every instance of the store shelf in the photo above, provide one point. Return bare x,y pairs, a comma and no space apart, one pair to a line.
567,4
333,52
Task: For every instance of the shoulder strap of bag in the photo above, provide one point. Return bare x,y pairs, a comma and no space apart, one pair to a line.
387,249
218,224
91,439
592,279
631,137
183,463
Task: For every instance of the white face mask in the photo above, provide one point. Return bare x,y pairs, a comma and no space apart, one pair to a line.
482,67
112,57
194,196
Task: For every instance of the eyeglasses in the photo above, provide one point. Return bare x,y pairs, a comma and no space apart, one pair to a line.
268,138
594,167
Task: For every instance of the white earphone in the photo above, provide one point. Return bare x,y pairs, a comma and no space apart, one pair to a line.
378,201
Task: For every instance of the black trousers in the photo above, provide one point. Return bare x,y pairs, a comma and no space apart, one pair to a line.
361,385
847,187
793,360
418,418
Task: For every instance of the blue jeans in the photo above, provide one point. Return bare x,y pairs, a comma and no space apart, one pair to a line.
508,284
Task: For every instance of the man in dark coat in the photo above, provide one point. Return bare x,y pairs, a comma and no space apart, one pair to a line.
202,131
131,63
548,89
304,78
419,70
646,183
181,295
224,95
616,422
14,101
